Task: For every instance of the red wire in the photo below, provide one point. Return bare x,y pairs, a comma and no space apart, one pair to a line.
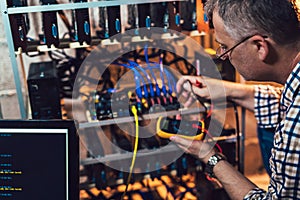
210,110
210,178
206,131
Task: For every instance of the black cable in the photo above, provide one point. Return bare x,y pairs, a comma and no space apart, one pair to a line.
34,55
237,132
198,98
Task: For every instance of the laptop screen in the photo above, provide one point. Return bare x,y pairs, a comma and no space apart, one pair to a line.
39,160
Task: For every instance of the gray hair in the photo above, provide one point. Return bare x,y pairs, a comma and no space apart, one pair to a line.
276,19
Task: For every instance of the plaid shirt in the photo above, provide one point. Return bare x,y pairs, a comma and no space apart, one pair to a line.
283,112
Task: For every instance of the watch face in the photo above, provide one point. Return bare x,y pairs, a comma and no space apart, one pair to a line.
214,160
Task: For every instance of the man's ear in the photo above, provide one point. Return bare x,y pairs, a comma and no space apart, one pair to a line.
261,46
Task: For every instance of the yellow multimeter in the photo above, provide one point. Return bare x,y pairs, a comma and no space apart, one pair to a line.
173,130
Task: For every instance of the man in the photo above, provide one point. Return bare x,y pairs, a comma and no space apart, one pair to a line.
261,38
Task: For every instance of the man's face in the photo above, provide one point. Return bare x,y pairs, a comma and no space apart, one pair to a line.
241,57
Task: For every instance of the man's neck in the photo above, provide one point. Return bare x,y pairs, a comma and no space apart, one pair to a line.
297,59
288,61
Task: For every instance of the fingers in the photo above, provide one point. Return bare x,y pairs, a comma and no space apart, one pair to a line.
197,148
201,92
185,82
180,83
181,141
189,101
187,145
189,86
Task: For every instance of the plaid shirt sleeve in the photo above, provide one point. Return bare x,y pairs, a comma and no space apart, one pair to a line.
266,105
285,158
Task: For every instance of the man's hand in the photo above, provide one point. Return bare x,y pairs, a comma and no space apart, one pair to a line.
225,172
199,149
204,87
215,90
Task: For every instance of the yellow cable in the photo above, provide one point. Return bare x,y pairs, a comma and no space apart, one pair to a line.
167,135
136,119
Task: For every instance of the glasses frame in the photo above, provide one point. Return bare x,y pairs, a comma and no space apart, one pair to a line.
234,46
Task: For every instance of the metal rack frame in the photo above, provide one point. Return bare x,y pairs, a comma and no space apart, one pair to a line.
5,11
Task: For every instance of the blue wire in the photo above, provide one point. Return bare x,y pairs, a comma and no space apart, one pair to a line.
162,78
132,63
146,53
146,75
170,78
137,76
152,73
151,87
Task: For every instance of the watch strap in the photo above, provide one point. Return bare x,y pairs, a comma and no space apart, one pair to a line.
212,162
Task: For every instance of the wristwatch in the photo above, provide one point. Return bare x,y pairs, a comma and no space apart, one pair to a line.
212,161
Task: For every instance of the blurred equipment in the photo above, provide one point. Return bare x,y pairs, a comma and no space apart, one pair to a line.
19,27
50,28
43,88
82,26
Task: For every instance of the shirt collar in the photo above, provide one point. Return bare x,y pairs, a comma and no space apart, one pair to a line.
291,86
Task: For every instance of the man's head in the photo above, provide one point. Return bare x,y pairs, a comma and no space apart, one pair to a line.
258,27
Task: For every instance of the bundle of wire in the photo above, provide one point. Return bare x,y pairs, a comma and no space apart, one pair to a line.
140,73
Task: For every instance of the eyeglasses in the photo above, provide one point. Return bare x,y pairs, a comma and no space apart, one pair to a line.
221,48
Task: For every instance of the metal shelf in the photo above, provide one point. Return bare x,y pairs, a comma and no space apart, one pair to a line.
119,120
34,46
170,148
70,6
128,155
